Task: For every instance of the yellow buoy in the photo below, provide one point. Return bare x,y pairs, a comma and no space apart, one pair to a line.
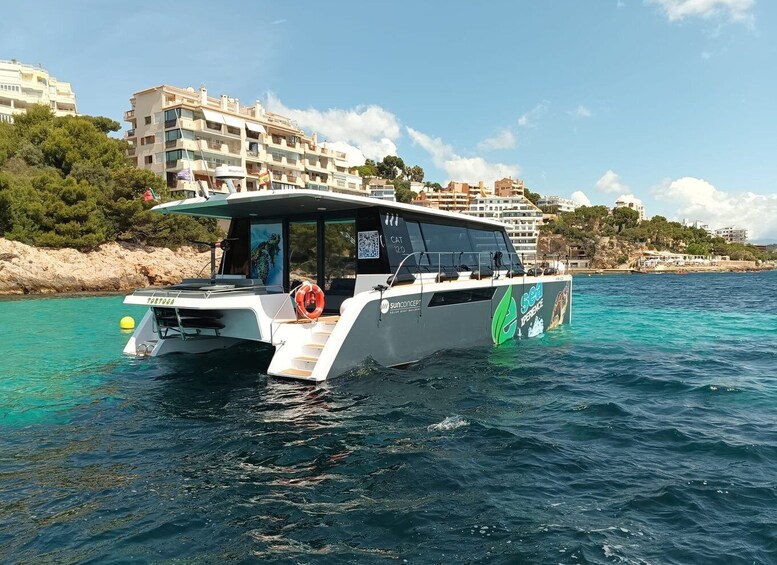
127,323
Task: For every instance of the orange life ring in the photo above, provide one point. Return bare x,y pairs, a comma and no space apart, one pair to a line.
309,294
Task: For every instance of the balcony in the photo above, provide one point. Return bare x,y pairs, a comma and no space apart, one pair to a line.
281,143
130,133
129,115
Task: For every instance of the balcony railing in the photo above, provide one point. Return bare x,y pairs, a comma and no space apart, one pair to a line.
129,114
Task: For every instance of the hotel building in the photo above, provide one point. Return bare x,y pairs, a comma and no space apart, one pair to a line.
177,132
732,234
522,218
561,204
22,86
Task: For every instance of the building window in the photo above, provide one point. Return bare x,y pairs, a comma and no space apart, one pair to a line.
148,159
147,119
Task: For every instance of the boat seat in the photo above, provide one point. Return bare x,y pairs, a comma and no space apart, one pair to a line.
401,278
447,274
483,273
515,273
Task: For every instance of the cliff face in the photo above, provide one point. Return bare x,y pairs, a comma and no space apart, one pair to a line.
112,267
604,252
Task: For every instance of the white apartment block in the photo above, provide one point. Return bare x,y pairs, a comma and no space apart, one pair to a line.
175,130
629,201
695,224
563,204
732,234
22,85
522,218
380,188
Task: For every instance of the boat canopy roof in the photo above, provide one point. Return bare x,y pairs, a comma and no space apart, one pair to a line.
292,202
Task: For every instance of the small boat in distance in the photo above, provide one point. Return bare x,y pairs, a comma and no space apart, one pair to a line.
329,280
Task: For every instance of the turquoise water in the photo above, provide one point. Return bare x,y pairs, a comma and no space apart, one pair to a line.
644,433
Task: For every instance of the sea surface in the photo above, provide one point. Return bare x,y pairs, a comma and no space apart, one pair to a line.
646,432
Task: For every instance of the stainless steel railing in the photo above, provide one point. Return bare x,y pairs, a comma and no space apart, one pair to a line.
484,259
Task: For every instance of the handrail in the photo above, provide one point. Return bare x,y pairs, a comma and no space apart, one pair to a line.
511,256
278,311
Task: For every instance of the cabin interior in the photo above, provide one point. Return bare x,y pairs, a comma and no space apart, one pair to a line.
330,248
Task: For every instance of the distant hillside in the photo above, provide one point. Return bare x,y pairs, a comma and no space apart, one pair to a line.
588,224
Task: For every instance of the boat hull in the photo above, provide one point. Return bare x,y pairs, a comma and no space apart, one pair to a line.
397,330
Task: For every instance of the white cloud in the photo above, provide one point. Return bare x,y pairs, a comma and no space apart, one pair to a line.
530,118
611,182
580,198
505,139
371,129
678,10
698,199
466,169
582,112
354,155
278,22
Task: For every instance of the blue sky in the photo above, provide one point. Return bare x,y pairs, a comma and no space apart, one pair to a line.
673,101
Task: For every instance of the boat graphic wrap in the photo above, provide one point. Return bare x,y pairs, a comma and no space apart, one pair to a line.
505,320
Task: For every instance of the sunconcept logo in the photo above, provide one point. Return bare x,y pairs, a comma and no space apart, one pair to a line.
531,297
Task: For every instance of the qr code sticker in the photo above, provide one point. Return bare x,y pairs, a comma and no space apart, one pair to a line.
369,245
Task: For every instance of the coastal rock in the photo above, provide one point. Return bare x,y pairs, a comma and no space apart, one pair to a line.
603,252
112,267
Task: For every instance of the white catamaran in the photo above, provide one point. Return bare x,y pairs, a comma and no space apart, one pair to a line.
329,280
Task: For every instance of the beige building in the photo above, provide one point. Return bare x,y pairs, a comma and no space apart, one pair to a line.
453,198
508,187
178,132
22,85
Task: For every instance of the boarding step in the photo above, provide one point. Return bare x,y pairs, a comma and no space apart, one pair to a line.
295,374
304,362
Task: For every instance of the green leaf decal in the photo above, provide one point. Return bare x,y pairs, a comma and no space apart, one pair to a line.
505,320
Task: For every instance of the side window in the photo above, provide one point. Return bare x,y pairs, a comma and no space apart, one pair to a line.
447,244
417,241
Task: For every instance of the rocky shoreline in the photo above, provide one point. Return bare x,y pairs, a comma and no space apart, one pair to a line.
113,267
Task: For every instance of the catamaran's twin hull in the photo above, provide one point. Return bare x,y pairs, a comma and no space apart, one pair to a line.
401,329
396,327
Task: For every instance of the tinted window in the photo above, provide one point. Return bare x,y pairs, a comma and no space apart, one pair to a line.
461,296
483,241
417,241
438,237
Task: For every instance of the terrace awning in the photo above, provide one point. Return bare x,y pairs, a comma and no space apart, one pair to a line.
234,122
255,127
212,116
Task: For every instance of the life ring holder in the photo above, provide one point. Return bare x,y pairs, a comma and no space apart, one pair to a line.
306,294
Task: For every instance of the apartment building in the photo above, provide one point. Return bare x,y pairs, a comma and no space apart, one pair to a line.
629,201
561,204
453,198
22,85
522,218
509,187
185,132
380,188
732,234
